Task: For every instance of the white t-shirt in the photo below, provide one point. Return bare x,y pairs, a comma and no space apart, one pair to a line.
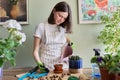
53,39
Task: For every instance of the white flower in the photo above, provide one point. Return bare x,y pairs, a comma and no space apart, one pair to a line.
9,45
12,24
21,37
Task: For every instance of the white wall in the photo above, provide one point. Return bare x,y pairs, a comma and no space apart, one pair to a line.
84,36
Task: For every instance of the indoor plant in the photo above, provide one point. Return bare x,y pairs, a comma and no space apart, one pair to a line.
75,64
110,37
9,44
108,63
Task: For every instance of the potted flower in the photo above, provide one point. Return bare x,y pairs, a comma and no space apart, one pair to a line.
108,64
9,44
75,64
110,37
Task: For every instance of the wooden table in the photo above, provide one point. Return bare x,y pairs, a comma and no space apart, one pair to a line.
9,74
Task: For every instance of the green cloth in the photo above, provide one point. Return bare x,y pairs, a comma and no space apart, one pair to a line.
73,78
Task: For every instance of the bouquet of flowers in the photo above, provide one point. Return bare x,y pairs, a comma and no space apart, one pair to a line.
9,45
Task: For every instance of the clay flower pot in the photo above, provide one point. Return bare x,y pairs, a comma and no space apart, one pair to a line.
105,75
117,77
58,68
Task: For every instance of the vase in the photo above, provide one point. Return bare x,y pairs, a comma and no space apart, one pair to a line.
14,11
105,75
75,66
1,73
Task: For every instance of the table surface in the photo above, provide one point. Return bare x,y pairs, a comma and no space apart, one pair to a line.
10,74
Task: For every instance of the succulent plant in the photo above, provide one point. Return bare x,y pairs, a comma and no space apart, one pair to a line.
74,57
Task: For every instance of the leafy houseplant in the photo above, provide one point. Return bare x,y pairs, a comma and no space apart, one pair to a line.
75,64
109,63
9,45
110,37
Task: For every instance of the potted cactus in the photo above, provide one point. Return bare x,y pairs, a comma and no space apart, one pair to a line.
75,64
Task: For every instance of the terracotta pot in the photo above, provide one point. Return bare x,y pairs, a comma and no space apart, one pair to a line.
117,77
58,68
105,75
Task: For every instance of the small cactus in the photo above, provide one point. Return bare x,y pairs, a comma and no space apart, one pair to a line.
74,58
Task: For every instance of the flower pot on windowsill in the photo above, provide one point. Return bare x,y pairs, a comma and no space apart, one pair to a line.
75,64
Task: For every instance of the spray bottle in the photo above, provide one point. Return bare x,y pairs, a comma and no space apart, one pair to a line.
95,67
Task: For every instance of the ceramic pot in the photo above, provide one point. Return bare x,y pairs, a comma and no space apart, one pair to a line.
58,68
14,11
117,77
105,75
75,66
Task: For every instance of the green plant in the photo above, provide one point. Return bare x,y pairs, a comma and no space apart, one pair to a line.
73,57
110,35
9,45
115,68
108,61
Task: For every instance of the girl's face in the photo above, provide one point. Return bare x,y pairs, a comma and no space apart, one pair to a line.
60,17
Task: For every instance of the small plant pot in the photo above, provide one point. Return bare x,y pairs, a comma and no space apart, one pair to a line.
58,68
75,66
105,75
117,77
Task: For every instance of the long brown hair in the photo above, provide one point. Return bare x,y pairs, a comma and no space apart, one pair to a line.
64,7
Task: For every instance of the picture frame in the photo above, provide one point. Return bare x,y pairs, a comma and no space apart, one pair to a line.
18,11
90,11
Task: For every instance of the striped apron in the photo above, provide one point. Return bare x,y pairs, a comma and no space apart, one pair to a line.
51,46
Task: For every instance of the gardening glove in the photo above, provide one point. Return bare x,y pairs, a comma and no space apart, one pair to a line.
41,67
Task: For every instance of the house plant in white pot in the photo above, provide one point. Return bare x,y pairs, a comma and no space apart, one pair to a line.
9,44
